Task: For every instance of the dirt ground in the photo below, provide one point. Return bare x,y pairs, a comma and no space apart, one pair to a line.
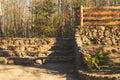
51,71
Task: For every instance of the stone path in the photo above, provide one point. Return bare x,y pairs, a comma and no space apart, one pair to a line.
51,71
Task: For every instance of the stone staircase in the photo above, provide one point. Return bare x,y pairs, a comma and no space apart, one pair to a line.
51,50
62,51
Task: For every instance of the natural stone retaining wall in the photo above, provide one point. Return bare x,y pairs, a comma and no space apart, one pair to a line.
86,75
95,76
108,36
105,35
27,48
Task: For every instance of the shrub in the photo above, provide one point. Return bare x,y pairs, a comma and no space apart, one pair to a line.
93,61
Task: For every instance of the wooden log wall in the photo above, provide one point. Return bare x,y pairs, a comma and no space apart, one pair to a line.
99,16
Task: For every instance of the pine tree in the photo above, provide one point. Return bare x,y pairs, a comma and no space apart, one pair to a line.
44,12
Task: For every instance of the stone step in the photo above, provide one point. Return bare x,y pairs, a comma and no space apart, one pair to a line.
60,52
62,47
64,41
60,58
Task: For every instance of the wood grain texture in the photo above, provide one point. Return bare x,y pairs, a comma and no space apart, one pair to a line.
102,23
102,7
101,18
102,13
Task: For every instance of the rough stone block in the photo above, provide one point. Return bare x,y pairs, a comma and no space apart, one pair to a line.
38,61
3,60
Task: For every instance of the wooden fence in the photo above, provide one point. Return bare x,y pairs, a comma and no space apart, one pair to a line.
99,16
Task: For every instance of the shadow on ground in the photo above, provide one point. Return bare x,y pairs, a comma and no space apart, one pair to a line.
61,67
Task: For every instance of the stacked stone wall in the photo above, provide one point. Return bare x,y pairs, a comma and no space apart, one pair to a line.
104,35
108,36
24,48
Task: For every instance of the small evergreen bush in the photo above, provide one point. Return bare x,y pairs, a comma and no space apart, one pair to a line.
93,61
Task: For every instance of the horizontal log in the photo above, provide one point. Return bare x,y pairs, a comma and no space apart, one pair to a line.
110,16
101,18
102,13
115,23
101,7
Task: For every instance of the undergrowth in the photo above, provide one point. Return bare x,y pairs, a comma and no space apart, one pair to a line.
96,59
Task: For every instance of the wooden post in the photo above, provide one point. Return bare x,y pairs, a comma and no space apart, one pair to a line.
81,15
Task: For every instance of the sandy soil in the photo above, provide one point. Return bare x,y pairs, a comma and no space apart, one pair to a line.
56,71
